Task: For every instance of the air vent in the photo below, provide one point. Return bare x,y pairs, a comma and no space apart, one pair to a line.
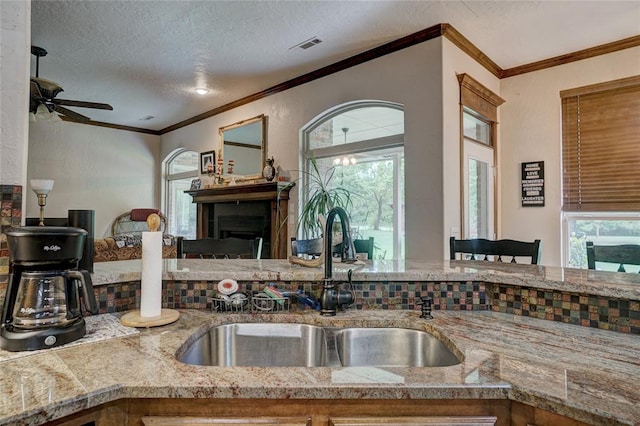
147,118
307,43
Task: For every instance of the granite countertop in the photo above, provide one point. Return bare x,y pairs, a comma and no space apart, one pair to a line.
608,284
587,374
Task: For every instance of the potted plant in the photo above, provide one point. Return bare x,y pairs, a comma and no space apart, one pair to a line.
322,196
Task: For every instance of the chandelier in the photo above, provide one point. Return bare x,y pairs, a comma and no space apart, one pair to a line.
346,160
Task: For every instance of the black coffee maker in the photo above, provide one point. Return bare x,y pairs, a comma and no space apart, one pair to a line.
42,305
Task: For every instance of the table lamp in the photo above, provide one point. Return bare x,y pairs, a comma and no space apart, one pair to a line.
42,187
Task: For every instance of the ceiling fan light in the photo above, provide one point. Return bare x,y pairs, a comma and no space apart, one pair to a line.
32,117
42,113
54,117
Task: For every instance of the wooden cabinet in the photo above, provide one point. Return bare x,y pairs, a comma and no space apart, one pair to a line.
246,211
225,421
314,412
296,421
412,421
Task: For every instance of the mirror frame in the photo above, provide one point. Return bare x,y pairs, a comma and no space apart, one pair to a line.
263,154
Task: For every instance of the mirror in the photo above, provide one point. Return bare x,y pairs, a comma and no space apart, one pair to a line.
245,143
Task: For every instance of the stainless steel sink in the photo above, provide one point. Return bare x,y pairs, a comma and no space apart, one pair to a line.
391,347
260,345
302,345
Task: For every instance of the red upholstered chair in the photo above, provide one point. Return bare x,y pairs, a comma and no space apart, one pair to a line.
125,242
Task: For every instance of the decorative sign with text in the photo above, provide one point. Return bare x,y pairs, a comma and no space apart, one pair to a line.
533,184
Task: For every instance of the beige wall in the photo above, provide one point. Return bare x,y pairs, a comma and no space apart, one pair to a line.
422,78
530,124
456,62
411,77
94,168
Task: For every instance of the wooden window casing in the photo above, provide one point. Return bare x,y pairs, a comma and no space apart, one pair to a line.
479,101
601,147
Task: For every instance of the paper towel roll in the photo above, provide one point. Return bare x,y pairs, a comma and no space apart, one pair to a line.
151,282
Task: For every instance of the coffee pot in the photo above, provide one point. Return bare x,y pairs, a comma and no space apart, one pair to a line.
42,306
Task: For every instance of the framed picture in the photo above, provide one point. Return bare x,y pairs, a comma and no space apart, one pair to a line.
207,158
196,184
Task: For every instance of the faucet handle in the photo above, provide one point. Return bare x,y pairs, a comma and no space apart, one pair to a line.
425,301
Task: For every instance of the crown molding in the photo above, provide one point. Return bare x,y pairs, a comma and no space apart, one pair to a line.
579,55
113,126
435,31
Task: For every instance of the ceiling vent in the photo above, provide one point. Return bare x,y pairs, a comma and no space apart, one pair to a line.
307,43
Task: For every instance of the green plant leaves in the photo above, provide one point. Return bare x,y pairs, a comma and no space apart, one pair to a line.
322,196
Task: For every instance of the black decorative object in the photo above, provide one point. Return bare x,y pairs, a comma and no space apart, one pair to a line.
533,184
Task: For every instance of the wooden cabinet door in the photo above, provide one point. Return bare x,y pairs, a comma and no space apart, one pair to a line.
224,421
405,421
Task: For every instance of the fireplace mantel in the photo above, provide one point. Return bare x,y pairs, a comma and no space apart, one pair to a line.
267,200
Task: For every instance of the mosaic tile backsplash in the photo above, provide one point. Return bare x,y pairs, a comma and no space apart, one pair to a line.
10,215
585,310
380,295
588,311
582,310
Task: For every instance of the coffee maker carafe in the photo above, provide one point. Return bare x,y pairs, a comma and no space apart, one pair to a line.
42,305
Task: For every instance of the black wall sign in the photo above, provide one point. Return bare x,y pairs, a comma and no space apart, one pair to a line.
533,184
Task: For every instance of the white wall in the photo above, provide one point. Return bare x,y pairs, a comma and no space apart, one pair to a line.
531,131
15,39
94,168
411,77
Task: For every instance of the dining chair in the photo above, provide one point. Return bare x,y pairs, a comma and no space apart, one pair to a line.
224,248
361,245
483,249
312,247
622,254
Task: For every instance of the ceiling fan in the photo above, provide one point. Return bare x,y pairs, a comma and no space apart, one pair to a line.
44,92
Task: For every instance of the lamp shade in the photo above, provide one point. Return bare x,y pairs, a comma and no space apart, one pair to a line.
42,113
42,186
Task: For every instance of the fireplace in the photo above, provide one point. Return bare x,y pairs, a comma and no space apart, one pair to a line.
242,220
246,211
247,227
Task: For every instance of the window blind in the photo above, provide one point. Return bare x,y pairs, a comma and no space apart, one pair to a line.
601,147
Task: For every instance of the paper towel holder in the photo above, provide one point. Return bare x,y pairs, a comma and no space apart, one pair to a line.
167,316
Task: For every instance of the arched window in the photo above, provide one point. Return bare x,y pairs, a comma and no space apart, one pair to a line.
359,146
180,168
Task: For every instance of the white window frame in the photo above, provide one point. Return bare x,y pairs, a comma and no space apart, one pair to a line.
392,141
566,217
484,153
167,177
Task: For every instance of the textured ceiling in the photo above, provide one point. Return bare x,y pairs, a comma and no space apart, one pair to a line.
145,58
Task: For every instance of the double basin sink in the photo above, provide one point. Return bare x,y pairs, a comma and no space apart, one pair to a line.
304,345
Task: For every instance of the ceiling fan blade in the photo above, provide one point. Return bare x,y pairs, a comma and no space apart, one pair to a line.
70,114
82,104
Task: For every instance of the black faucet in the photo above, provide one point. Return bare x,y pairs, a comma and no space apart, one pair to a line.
331,298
